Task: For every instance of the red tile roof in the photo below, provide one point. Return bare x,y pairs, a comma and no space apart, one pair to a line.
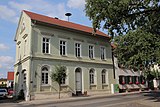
62,23
113,45
10,76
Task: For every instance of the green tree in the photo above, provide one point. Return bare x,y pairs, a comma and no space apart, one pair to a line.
138,49
119,16
58,75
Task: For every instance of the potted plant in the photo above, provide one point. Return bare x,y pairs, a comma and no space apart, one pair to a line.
143,82
123,83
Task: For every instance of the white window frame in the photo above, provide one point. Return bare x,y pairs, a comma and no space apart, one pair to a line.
62,47
104,75
91,50
80,55
103,53
92,77
45,73
45,45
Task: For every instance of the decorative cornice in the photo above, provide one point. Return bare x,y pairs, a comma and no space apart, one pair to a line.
63,37
80,40
46,33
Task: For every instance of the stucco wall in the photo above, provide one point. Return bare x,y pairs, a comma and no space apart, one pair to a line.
70,81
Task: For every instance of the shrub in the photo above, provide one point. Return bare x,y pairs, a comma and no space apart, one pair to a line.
21,95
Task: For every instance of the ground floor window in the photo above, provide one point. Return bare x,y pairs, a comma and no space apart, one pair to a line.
44,75
91,76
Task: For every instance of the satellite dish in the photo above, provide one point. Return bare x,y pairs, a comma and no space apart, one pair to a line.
68,14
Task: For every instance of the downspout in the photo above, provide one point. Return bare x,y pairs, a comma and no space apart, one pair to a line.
114,74
30,82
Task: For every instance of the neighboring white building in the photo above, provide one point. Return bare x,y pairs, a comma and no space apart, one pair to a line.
43,42
128,79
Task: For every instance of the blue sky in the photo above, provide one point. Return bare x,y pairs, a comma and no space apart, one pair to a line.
9,15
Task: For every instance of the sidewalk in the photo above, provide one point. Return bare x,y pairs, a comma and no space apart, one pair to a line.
72,99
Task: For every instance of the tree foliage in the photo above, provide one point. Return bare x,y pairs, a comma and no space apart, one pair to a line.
58,74
123,15
138,49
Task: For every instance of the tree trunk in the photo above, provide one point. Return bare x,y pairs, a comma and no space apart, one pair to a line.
59,91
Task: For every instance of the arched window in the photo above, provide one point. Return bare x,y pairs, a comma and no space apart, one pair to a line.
103,76
91,76
44,78
63,81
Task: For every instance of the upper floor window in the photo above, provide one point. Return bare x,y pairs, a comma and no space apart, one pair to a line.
91,76
63,47
46,45
91,51
44,78
78,49
103,53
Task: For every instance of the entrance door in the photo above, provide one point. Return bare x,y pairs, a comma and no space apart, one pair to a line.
78,80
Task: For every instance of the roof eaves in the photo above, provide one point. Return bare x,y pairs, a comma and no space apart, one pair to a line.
67,24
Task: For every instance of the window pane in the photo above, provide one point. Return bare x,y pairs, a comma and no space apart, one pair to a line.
46,79
102,50
44,47
42,78
43,39
44,69
60,50
47,40
103,77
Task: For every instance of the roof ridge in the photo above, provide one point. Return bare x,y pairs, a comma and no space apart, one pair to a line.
56,19
63,23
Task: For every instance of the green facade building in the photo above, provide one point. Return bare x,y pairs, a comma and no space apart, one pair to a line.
43,42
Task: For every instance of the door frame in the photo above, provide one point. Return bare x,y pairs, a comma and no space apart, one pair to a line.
79,71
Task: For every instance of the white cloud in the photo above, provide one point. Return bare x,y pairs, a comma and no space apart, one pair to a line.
12,10
49,9
3,47
19,6
6,63
76,3
6,59
1,75
7,13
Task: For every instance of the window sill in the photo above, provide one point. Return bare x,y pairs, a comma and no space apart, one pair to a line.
79,57
45,85
46,54
105,84
63,55
64,85
103,59
92,58
93,84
